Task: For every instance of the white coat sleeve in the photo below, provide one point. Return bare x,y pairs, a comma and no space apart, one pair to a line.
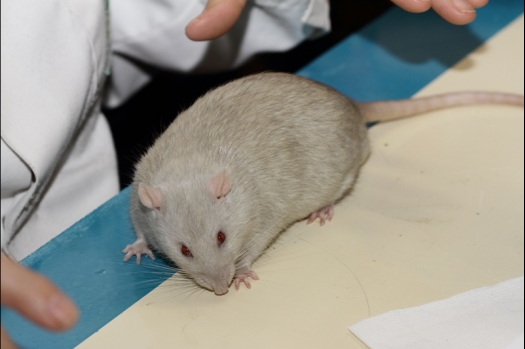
153,32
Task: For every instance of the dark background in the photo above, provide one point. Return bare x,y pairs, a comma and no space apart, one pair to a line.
138,122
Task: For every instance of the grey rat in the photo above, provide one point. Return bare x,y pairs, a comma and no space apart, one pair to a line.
249,159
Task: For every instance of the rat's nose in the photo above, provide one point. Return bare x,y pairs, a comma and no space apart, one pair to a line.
220,289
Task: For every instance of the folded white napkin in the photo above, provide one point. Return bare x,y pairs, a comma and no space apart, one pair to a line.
487,317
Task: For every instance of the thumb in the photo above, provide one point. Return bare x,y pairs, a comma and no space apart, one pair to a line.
35,297
217,19
6,342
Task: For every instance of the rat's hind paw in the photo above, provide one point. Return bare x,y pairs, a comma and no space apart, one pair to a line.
138,248
244,278
324,214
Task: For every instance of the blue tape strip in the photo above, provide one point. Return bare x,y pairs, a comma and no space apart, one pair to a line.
394,57
85,261
398,54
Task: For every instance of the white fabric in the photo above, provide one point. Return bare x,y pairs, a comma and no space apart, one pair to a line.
518,343
152,32
84,179
54,54
488,317
16,176
58,160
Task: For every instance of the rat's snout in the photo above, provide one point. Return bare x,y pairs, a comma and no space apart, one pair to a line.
220,281
220,290
220,285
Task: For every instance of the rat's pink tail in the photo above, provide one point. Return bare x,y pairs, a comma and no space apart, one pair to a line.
391,110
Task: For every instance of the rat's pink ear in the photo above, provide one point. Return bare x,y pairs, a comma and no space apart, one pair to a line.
150,197
220,185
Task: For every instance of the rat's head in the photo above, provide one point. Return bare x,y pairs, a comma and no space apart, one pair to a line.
198,227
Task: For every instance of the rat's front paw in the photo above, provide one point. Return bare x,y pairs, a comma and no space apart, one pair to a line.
138,248
324,214
238,278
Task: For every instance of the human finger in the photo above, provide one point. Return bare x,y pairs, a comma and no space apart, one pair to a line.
6,342
217,19
457,12
454,11
478,3
35,297
415,6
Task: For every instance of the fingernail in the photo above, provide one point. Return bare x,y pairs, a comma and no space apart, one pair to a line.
463,6
60,310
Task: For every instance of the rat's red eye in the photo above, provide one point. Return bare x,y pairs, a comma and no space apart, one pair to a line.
221,238
185,251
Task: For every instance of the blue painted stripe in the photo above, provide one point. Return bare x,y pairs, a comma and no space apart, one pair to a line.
85,261
393,57
398,54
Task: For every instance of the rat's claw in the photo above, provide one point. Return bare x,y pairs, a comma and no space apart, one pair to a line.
324,214
138,248
238,282
150,254
128,253
244,278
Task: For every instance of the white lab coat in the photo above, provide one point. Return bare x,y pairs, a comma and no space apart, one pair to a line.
58,159
153,33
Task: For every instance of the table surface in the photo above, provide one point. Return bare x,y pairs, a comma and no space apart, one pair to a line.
438,210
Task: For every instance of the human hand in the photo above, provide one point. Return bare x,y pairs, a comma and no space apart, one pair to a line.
455,11
218,17
35,298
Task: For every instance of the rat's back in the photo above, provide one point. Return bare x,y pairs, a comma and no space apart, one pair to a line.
289,138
